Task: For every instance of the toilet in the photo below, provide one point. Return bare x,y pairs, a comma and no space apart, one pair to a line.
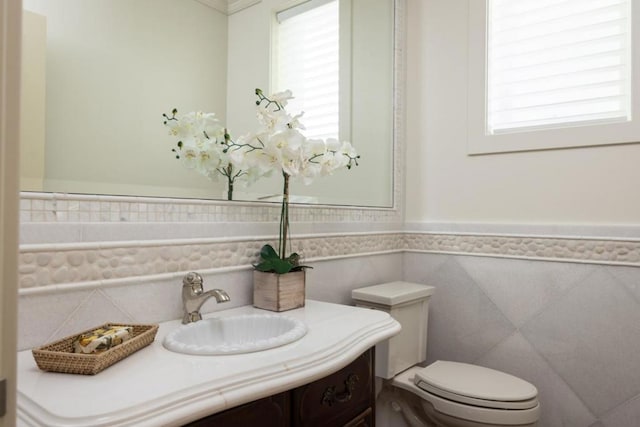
444,393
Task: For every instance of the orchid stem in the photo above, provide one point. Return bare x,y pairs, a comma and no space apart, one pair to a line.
284,218
230,179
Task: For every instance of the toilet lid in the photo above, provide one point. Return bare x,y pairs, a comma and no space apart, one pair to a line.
476,385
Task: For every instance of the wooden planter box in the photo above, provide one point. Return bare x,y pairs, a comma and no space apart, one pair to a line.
278,292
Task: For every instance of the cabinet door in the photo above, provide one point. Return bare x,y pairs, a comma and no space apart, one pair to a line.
272,411
338,399
365,419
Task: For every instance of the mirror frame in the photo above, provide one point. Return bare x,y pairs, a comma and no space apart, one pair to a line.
63,207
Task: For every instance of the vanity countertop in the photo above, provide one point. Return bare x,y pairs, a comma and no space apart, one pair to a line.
156,387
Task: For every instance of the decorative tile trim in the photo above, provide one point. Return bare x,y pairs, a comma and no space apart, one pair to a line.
611,251
560,230
62,208
399,97
46,265
54,265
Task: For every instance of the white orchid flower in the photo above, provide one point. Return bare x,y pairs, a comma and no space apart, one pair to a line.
179,129
282,98
189,156
348,149
207,161
289,141
310,171
273,121
314,148
295,123
332,161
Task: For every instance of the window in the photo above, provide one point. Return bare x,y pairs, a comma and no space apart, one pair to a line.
551,74
306,61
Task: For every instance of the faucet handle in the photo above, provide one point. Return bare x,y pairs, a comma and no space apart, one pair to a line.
192,278
194,281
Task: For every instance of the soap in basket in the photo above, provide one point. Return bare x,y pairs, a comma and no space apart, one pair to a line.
102,339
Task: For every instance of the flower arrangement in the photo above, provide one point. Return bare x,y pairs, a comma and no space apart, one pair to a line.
277,145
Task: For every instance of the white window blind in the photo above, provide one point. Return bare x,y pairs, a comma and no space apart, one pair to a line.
306,61
557,63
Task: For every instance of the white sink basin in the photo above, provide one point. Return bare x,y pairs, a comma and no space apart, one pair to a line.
235,334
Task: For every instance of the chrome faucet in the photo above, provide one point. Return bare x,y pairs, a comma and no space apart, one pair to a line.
193,296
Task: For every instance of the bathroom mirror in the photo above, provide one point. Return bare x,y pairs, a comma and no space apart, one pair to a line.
99,74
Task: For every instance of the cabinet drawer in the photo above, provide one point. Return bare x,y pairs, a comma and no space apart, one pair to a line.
338,399
272,411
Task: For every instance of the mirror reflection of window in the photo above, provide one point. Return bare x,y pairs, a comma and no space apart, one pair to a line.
307,62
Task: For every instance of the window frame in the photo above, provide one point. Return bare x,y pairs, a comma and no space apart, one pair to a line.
479,141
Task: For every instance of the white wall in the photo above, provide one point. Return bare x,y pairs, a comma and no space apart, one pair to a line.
597,185
113,67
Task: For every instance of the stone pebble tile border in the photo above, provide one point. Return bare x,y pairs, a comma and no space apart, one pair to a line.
614,251
46,265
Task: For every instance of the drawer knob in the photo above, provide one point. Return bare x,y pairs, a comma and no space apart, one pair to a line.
330,396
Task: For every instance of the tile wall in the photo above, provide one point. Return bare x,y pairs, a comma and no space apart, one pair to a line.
572,329
552,306
58,311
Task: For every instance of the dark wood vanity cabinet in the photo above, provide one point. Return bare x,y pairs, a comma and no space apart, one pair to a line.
344,398
272,411
337,399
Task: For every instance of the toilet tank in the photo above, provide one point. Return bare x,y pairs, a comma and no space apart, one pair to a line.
408,303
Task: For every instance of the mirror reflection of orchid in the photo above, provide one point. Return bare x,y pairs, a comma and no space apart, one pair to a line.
278,145
203,145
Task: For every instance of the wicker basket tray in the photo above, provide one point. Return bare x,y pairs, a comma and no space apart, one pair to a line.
59,356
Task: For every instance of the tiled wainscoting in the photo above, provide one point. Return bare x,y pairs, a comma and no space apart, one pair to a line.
572,329
562,312
56,311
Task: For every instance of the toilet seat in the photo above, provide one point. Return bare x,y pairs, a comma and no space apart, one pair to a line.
476,385
468,411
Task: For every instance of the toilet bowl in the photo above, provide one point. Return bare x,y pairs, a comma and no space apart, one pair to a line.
458,394
445,393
